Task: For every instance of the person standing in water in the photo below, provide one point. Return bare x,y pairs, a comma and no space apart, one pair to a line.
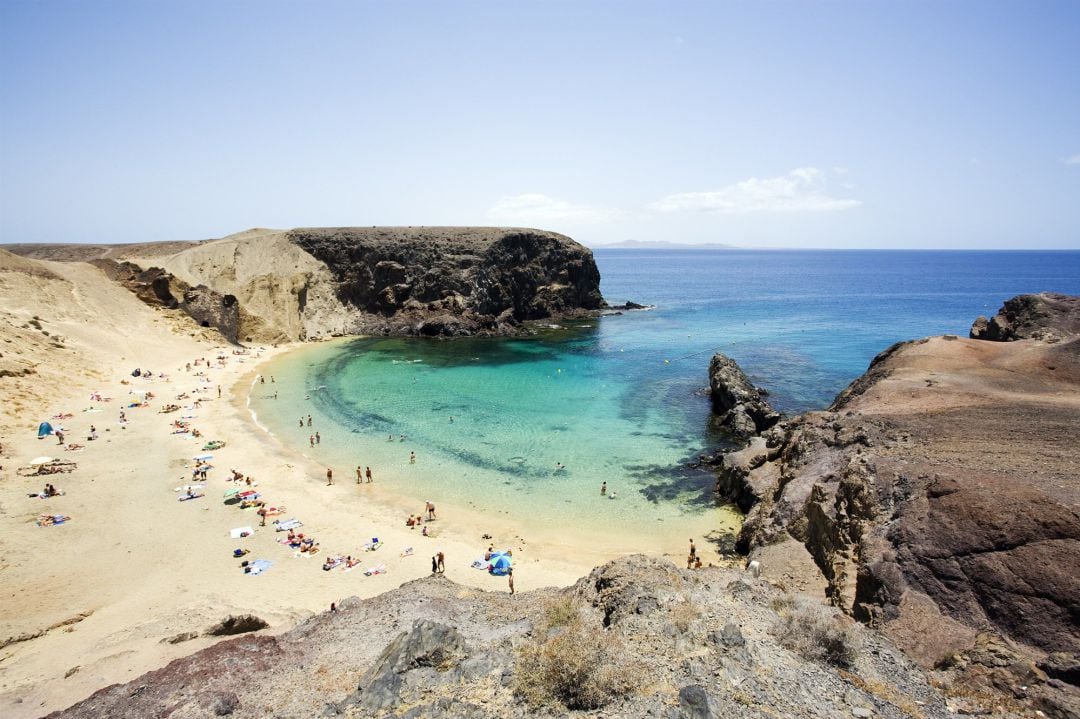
603,488
367,473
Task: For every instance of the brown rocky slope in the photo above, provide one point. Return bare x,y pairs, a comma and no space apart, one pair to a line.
938,498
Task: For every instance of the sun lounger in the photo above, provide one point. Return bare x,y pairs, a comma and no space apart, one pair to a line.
378,569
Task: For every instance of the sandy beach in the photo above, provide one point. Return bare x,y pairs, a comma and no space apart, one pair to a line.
96,600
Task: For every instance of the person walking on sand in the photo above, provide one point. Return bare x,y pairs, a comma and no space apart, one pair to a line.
441,563
430,510
329,477
693,549
510,579
367,473
359,474
59,437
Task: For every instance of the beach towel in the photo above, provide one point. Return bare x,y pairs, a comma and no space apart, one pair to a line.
192,487
481,564
378,569
241,532
259,566
186,497
287,524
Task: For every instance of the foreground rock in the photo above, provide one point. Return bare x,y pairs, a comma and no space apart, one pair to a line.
938,499
637,637
743,410
268,286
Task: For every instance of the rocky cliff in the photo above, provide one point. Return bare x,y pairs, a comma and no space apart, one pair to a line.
637,637
1047,316
269,285
938,498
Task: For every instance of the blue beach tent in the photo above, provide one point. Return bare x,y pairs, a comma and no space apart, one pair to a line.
500,563
44,430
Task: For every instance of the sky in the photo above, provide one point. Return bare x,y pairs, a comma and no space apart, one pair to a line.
948,124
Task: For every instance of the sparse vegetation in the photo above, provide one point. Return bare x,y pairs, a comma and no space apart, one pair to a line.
573,665
559,612
683,615
815,633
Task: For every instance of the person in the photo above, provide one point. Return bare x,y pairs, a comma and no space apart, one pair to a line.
690,561
333,606
442,563
219,391
489,552
603,488
318,438
272,381
309,420
311,440
59,436
510,579
329,476
262,516
93,432
367,473
424,531
412,457
262,380
301,421
434,565
359,474
451,419
430,510
697,563
693,549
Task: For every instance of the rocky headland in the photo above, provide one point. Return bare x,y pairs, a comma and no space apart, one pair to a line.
937,499
279,286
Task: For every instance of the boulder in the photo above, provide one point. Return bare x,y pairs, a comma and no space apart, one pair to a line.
429,645
742,410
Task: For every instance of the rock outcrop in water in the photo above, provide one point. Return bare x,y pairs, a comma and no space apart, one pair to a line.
743,411
267,285
636,638
938,498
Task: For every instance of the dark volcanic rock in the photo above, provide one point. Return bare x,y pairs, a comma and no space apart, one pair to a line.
743,411
429,644
213,309
1046,316
237,624
454,281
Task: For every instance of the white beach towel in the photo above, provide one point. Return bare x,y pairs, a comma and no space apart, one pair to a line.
240,532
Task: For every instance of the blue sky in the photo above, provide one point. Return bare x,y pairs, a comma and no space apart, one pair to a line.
770,124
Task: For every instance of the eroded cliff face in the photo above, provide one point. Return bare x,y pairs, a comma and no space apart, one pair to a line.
271,285
454,280
938,499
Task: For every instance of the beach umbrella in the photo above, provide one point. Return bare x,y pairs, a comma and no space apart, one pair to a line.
231,492
40,461
500,564
203,457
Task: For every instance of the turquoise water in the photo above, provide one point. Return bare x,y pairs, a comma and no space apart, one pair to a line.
620,399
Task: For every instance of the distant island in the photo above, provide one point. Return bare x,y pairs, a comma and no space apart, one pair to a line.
664,245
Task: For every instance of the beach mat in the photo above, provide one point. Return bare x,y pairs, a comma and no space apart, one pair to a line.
241,532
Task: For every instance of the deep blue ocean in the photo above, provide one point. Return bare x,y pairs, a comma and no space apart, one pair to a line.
532,426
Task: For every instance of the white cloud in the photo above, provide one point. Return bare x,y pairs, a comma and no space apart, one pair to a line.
801,190
1074,160
539,210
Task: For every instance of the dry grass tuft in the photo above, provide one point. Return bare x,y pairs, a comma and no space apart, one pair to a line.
817,635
